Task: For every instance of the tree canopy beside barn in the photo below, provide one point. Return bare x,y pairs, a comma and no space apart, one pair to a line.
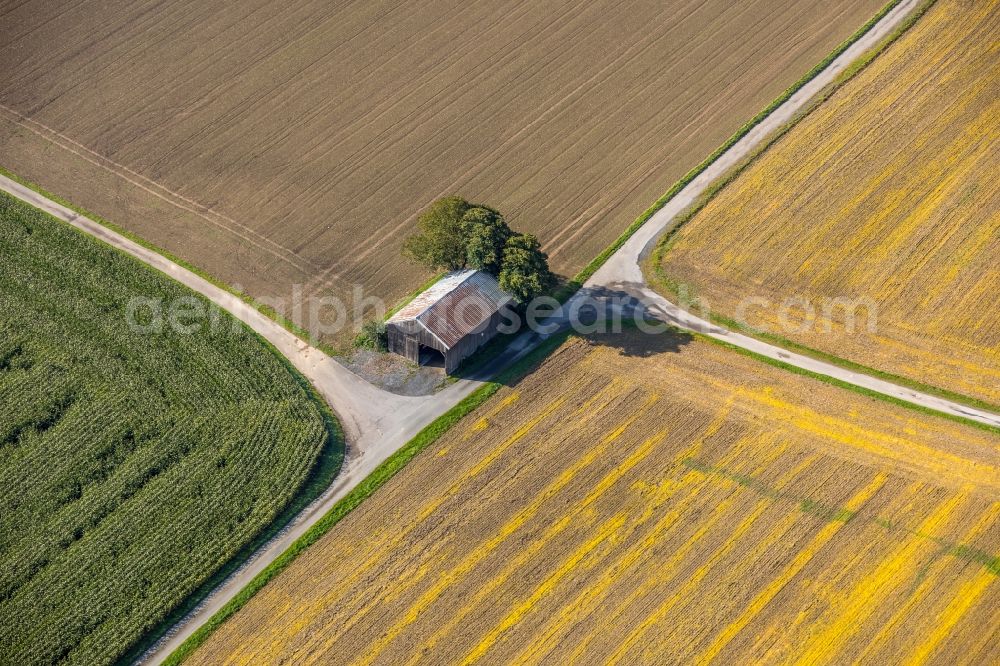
455,235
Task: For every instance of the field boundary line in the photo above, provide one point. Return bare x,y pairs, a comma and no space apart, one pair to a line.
265,310
320,475
382,474
660,279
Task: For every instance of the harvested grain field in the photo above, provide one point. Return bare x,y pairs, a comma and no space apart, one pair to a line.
294,143
671,502
886,197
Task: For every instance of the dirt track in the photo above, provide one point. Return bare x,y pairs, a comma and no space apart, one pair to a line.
880,196
379,422
376,422
640,497
273,145
622,274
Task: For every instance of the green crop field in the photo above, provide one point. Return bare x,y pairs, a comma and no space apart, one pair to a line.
134,465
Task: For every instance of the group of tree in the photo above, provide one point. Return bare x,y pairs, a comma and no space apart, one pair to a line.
454,234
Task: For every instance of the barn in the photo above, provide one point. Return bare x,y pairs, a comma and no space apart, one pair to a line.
453,318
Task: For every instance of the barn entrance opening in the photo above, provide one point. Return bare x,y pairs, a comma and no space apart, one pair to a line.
431,357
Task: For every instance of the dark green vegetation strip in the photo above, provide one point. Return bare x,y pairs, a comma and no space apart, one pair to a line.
365,489
435,430
805,504
567,290
659,278
829,513
265,310
136,466
395,462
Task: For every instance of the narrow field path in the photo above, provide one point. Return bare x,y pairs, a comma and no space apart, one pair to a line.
377,423
622,274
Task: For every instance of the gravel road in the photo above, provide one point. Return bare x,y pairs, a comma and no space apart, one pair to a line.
377,422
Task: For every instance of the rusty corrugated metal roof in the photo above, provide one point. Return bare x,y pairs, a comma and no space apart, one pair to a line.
456,305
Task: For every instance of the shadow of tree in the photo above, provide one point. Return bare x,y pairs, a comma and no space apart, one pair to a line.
634,301
617,316
633,342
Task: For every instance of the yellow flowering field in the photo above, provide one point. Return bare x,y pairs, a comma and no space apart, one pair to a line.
887,192
654,499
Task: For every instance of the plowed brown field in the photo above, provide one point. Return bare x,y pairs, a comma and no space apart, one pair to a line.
886,194
658,506
294,142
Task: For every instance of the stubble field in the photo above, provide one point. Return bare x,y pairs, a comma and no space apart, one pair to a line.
294,143
671,501
885,195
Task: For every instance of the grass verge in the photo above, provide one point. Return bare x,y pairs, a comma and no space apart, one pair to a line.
659,278
324,472
321,474
856,367
826,379
265,310
362,491
569,288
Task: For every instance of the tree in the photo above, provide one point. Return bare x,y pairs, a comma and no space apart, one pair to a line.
440,242
525,273
454,234
486,234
